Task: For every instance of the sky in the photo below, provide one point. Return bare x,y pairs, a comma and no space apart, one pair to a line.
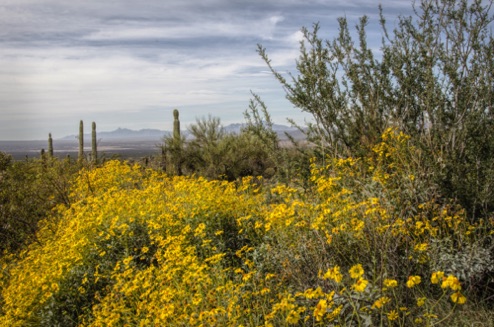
128,64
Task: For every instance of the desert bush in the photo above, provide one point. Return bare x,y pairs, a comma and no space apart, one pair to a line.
432,80
290,162
215,154
28,191
371,213
172,154
5,161
139,247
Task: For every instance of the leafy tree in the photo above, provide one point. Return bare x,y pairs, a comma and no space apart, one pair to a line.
433,79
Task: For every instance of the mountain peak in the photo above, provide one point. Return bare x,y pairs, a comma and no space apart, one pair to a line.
156,134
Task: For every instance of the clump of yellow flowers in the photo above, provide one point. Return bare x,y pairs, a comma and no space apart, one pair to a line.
139,248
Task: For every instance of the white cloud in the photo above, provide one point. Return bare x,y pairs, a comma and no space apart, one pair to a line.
260,27
68,84
122,62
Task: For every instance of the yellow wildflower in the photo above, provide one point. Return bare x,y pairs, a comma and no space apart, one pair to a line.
269,276
379,303
459,298
390,283
421,247
452,282
392,315
360,285
265,291
437,277
421,301
320,309
430,315
313,293
356,271
334,274
336,312
293,317
127,260
413,281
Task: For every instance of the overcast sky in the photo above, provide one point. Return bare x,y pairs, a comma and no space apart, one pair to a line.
127,63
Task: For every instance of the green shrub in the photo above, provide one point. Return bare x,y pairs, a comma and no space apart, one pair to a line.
28,192
432,81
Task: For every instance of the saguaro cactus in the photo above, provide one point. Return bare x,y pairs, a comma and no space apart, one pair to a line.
43,158
50,145
81,141
94,151
174,145
176,125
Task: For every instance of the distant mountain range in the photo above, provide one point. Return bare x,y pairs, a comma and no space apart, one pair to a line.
124,133
156,134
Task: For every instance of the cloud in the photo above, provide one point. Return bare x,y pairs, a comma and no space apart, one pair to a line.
68,84
122,62
260,27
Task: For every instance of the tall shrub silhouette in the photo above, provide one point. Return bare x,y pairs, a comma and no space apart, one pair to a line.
94,150
176,124
173,148
433,80
50,146
81,142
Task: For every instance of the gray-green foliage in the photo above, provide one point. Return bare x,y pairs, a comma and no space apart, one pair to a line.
206,146
473,263
215,153
245,155
433,79
291,162
467,263
260,124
